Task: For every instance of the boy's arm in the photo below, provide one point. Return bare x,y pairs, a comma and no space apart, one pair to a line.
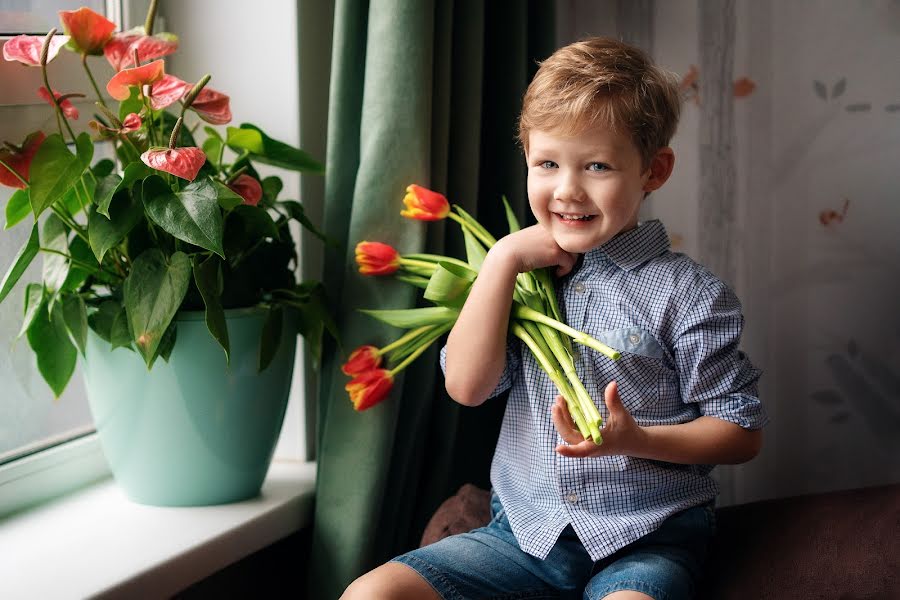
476,346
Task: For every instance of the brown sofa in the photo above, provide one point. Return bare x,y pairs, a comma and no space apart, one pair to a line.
839,545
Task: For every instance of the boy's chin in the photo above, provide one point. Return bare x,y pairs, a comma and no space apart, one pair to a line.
576,246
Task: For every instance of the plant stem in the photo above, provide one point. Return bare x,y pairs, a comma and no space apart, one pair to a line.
523,312
412,334
91,78
439,330
59,112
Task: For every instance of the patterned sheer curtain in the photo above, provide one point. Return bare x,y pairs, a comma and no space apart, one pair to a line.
785,185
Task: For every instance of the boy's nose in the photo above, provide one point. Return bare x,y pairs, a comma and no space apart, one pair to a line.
568,190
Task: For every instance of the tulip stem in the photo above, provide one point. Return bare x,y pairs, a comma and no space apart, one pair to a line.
487,241
411,262
402,340
14,172
523,312
438,331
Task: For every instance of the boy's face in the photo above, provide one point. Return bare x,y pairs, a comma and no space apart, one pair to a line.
586,188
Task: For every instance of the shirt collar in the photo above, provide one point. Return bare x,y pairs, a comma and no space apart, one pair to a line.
634,247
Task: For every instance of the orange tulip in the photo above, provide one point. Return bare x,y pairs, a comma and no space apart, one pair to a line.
19,159
364,358
375,258
369,388
118,86
424,205
89,31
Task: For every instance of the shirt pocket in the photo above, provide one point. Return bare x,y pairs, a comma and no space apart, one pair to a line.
639,371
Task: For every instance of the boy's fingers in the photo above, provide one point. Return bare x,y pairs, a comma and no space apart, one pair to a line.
566,263
563,423
583,449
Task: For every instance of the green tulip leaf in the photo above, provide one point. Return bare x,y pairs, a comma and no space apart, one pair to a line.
55,236
271,337
192,215
34,297
510,216
153,292
266,150
55,170
125,211
414,317
208,277
56,356
75,318
23,258
18,208
450,284
475,252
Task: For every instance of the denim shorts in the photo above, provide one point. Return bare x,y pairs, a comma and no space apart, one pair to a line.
487,562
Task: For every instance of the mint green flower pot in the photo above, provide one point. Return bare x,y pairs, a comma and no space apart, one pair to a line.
192,431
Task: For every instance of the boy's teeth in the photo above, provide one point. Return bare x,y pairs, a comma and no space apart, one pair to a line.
576,217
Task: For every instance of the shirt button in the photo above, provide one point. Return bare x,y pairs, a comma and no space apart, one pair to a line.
572,497
634,338
579,288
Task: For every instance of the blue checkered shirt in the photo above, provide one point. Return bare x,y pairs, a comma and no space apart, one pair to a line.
678,328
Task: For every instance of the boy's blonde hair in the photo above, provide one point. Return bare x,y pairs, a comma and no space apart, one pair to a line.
602,81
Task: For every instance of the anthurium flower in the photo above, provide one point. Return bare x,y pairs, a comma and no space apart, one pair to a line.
168,91
181,162
424,205
369,388
89,30
119,51
364,358
140,76
131,123
212,106
65,104
248,188
375,258
27,48
19,159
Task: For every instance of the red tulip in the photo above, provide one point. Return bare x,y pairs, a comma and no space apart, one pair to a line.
364,358
424,205
168,91
369,388
181,162
118,86
27,48
90,31
212,106
375,258
248,188
119,51
19,159
66,105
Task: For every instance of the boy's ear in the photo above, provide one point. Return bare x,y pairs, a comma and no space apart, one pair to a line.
661,166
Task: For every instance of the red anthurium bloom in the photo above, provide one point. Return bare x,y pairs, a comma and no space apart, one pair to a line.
19,159
248,188
89,30
27,48
131,123
144,75
168,91
66,105
424,205
369,388
364,358
181,162
212,106
375,258
119,51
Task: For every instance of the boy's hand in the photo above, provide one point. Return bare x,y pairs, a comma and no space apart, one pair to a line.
534,248
621,433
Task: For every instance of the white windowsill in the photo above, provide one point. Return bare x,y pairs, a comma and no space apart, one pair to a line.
96,542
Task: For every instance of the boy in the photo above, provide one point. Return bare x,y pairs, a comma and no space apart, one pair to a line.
630,518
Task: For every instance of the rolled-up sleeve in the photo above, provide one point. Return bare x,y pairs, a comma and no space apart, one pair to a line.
714,374
513,362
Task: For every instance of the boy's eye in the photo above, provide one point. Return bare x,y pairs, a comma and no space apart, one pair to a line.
548,164
597,167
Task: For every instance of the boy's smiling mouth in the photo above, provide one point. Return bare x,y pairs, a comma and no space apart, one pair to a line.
573,218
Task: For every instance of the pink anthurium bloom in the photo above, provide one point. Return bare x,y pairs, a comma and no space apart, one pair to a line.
140,76
212,106
168,91
65,104
248,188
119,51
181,162
19,159
131,123
89,30
27,48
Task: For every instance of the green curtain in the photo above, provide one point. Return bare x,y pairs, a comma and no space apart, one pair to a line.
428,92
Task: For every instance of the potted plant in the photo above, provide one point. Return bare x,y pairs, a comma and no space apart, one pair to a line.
170,268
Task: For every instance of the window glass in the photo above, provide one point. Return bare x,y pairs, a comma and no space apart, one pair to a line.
39,16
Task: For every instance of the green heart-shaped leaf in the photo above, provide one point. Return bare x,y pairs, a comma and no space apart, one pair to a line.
192,215
55,236
34,296
208,277
56,356
125,211
75,318
55,170
266,150
23,258
153,292
18,207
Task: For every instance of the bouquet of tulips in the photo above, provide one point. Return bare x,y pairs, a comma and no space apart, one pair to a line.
535,318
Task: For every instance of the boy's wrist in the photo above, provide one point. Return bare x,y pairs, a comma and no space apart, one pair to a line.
503,258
